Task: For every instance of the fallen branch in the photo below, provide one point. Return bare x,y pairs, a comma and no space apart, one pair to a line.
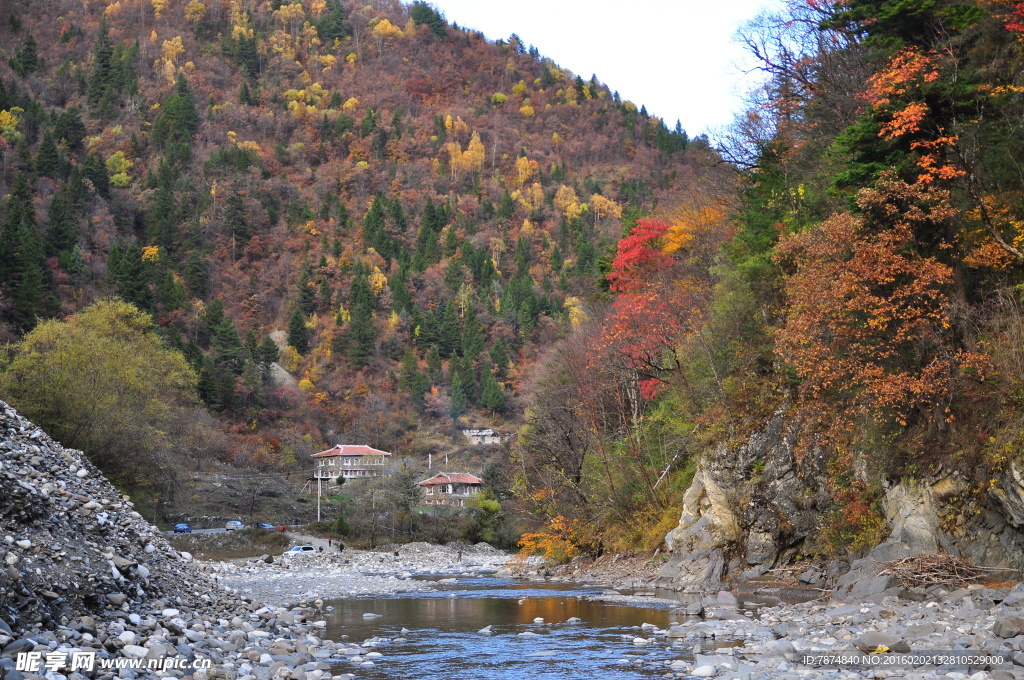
934,570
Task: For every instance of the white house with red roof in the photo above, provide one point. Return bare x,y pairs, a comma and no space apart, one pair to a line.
350,461
449,488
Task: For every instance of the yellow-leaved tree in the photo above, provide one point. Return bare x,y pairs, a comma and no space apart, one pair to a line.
103,381
384,32
567,203
195,12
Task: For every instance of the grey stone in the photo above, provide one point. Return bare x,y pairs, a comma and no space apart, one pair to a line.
1008,627
22,645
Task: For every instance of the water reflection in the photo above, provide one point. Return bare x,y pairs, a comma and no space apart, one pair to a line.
443,642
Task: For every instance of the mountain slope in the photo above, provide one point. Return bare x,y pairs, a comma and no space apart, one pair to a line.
418,209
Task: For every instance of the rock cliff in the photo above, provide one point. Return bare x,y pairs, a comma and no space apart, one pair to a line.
756,506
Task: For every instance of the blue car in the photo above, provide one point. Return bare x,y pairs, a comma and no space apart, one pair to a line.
264,525
182,529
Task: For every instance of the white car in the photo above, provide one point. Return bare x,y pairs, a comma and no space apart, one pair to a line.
299,550
233,525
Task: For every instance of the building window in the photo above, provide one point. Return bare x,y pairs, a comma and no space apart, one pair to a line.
430,491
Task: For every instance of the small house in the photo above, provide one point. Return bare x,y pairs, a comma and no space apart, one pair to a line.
487,436
349,461
449,489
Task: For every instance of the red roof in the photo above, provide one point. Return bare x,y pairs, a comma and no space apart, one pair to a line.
451,478
350,450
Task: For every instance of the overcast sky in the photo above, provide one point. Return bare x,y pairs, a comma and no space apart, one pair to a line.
677,57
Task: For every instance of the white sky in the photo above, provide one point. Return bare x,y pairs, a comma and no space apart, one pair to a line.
676,57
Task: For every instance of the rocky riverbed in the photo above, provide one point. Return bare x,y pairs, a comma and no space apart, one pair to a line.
84,577
353,573
772,641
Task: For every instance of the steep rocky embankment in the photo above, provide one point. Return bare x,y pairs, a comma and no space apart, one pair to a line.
71,544
84,575
756,506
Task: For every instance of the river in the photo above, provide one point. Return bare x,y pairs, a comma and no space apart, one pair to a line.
443,641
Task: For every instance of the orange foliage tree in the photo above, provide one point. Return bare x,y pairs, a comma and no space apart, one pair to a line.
867,329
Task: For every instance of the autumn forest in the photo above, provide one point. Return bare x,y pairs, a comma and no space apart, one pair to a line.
237,232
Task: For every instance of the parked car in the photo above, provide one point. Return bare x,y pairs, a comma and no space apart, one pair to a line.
233,525
264,525
182,529
299,550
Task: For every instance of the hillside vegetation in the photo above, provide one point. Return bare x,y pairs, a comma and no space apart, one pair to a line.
398,212
429,230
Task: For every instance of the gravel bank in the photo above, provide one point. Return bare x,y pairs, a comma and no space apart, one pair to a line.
771,642
352,573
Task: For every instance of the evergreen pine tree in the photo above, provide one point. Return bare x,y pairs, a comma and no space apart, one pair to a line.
332,24
374,232
507,206
401,300
457,397
131,275
449,333
434,364
492,397
362,336
428,250
62,236
267,354
100,76
26,275
228,346
236,222
472,335
499,357
47,159
95,170
307,291
298,334
397,215
244,98
26,60
69,128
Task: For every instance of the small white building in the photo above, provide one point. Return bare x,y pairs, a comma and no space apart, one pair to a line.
349,461
487,436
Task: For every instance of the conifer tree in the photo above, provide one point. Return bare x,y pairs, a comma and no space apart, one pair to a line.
62,236
298,334
307,291
457,397
472,335
95,170
492,397
507,206
26,60
374,232
449,334
267,354
499,357
131,275
101,74
21,255
47,159
434,364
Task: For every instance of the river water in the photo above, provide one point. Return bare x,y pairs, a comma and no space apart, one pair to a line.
443,641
